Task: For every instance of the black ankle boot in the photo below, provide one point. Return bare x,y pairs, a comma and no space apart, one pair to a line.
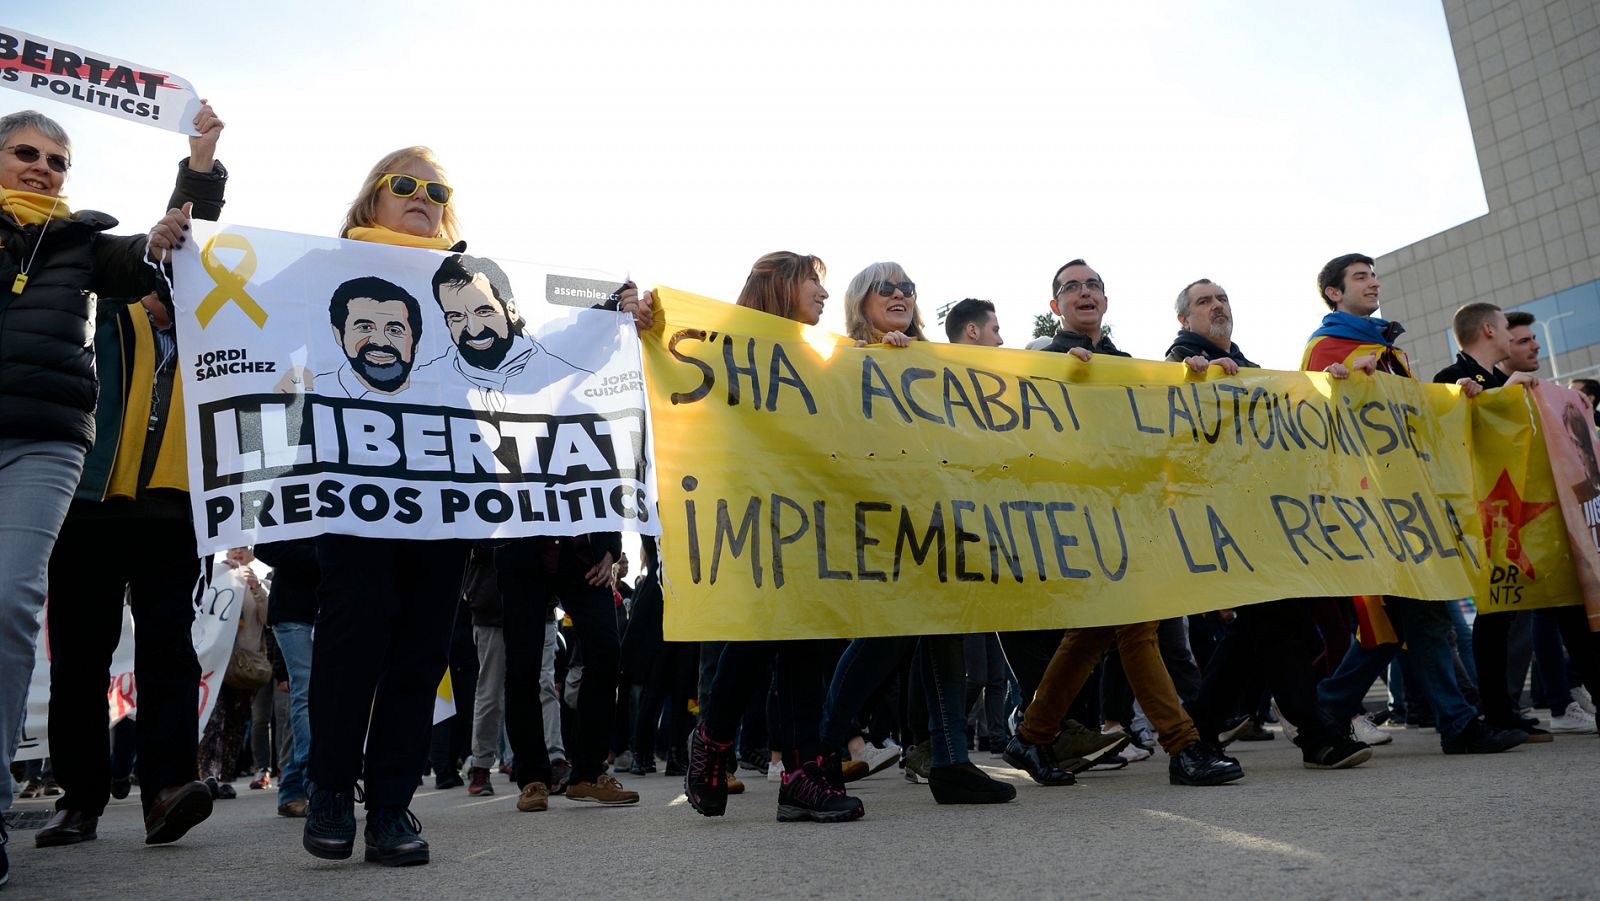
964,783
394,838
330,831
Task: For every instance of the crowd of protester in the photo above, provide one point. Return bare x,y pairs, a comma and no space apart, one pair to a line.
562,678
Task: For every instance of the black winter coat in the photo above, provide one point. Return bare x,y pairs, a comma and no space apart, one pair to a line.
47,373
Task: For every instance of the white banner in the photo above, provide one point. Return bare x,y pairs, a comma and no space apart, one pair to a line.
96,82
215,627
358,388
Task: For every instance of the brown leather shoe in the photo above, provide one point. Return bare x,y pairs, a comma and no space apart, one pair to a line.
67,827
176,810
855,769
295,809
735,784
535,797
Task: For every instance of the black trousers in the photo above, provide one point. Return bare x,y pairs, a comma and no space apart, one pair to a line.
386,611
451,741
97,560
1277,639
801,670
1491,639
528,593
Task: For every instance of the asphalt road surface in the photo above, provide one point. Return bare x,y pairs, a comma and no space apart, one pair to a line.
1411,823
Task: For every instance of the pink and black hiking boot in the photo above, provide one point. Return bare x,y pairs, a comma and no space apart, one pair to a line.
706,782
808,794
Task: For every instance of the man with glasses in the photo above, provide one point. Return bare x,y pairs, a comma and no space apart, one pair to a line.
1078,298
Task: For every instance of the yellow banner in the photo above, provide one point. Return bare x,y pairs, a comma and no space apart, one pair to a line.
810,488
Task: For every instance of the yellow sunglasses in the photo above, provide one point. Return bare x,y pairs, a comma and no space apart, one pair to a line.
405,186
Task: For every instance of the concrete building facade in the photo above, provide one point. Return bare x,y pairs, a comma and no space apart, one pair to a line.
1530,73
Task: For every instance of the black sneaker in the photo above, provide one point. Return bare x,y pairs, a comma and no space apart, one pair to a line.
964,783
1339,754
1036,760
1201,764
705,783
758,760
330,831
394,838
676,767
1479,738
810,795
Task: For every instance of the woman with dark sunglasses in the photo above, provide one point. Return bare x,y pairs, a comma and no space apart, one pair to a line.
53,263
787,285
386,606
880,307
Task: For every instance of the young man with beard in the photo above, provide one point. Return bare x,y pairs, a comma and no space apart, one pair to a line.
1078,297
378,325
1274,642
490,346
972,321
1353,338
1484,336
1555,626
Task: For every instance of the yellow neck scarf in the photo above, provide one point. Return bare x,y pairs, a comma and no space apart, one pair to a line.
29,208
377,234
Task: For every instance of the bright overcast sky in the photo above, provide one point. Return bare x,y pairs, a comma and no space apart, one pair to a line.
981,146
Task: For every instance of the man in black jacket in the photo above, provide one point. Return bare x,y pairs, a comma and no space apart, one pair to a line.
129,530
1484,335
1205,329
1078,297
1275,642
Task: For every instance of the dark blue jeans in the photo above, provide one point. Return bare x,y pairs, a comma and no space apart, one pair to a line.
868,662
1423,626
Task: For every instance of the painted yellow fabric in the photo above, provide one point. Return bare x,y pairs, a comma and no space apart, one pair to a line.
811,488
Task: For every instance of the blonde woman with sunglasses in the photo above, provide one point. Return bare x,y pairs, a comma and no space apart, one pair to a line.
386,606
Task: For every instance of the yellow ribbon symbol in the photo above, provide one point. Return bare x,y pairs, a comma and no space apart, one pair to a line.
230,282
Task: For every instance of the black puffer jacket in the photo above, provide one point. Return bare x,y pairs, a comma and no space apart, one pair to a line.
47,377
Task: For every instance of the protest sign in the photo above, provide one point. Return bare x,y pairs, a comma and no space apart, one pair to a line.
216,612
96,82
1574,452
342,386
810,488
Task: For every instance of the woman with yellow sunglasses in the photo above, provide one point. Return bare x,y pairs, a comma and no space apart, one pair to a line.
385,605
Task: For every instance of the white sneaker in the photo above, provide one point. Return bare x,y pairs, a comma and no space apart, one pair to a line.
775,772
1575,721
1289,730
1584,699
1133,753
1362,730
878,759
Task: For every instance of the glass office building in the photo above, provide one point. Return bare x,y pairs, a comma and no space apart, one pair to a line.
1530,74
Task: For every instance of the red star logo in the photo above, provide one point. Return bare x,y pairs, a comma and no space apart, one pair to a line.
1505,509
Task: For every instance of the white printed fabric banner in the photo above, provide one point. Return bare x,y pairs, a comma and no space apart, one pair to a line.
365,389
218,599
96,82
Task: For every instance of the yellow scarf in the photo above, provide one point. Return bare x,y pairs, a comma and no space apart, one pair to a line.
29,208
377,234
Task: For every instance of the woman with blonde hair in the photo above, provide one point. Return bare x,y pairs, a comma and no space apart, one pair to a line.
386,606
881,308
